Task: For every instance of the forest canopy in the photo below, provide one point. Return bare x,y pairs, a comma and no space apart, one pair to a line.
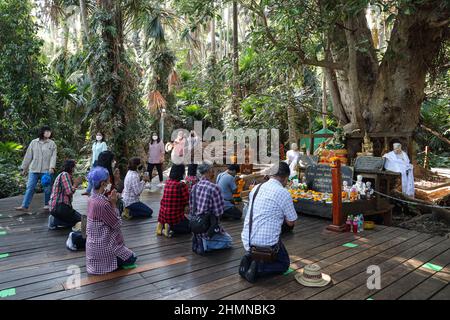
83,66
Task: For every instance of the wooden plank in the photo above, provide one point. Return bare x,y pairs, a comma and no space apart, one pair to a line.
443,294
399,266
406,283
334,263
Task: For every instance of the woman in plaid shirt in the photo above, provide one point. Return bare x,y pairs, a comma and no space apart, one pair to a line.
105,247
172,216
62,213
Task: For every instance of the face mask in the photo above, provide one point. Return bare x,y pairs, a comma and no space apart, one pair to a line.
47,134
108,188
99,138
113,164
155,137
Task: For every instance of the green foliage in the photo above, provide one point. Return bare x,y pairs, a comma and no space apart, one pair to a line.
25,99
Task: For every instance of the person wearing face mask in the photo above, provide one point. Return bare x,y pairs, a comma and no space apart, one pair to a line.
156,157
270,208
105,247
192,142
98,147
178,151
39,163
133,187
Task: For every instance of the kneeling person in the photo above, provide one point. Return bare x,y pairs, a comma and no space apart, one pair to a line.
270,206
227,184
105,247
62,214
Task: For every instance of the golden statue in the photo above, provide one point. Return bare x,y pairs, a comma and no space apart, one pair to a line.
366,147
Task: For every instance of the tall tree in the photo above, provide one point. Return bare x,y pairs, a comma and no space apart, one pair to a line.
377,96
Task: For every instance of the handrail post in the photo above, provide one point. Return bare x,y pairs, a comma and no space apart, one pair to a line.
338,219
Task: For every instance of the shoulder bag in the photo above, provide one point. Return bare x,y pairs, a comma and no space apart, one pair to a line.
260,253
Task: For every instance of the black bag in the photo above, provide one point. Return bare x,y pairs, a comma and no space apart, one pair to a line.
260,253
202,223
66,214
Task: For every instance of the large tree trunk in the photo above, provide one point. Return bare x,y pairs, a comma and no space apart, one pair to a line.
115,48
386,97
236,93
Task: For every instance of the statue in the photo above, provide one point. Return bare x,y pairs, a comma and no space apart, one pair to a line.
337,142
292,157
369,190
360,186
345,191
366,147
398,161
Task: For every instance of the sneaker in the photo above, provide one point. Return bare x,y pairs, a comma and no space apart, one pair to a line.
69,243
22,209
160,185
244,265
46,208
250,275
51,223
159,228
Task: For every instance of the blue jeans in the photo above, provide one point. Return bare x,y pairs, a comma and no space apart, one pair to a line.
33,178
140,210
278,266
89,187
217,241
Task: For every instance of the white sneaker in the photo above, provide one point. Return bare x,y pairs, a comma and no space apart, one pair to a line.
46,208
69,243
160,185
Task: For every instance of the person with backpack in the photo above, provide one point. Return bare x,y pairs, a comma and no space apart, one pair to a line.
206,207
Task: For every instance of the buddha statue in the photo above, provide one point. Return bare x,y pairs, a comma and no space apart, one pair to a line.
366,147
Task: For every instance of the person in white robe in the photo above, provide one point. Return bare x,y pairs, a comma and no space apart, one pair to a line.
398,161
292,158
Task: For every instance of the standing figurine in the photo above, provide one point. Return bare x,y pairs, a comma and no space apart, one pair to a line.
349,222
360,223
369,190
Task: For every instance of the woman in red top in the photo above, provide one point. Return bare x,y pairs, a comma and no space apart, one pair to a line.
173,211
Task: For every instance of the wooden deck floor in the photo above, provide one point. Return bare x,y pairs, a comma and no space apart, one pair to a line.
34,262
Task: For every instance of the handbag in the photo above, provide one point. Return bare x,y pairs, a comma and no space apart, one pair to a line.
260,253
199,223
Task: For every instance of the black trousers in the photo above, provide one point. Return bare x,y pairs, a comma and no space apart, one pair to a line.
181,227
158,166
232,213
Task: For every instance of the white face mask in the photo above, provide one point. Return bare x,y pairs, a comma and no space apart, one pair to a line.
99,138
155,137
113,164
108,188
47,134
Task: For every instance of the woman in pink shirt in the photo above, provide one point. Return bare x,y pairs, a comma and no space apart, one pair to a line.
156,157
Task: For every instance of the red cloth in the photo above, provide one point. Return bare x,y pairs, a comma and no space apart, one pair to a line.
173,202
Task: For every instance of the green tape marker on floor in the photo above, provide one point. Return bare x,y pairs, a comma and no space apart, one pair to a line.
4,255
433,267
2,233
288,271
129,267
8,292
349,245
369,299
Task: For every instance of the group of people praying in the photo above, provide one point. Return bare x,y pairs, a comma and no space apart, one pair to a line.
184,199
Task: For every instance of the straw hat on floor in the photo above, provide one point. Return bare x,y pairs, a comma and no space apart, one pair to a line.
311,276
